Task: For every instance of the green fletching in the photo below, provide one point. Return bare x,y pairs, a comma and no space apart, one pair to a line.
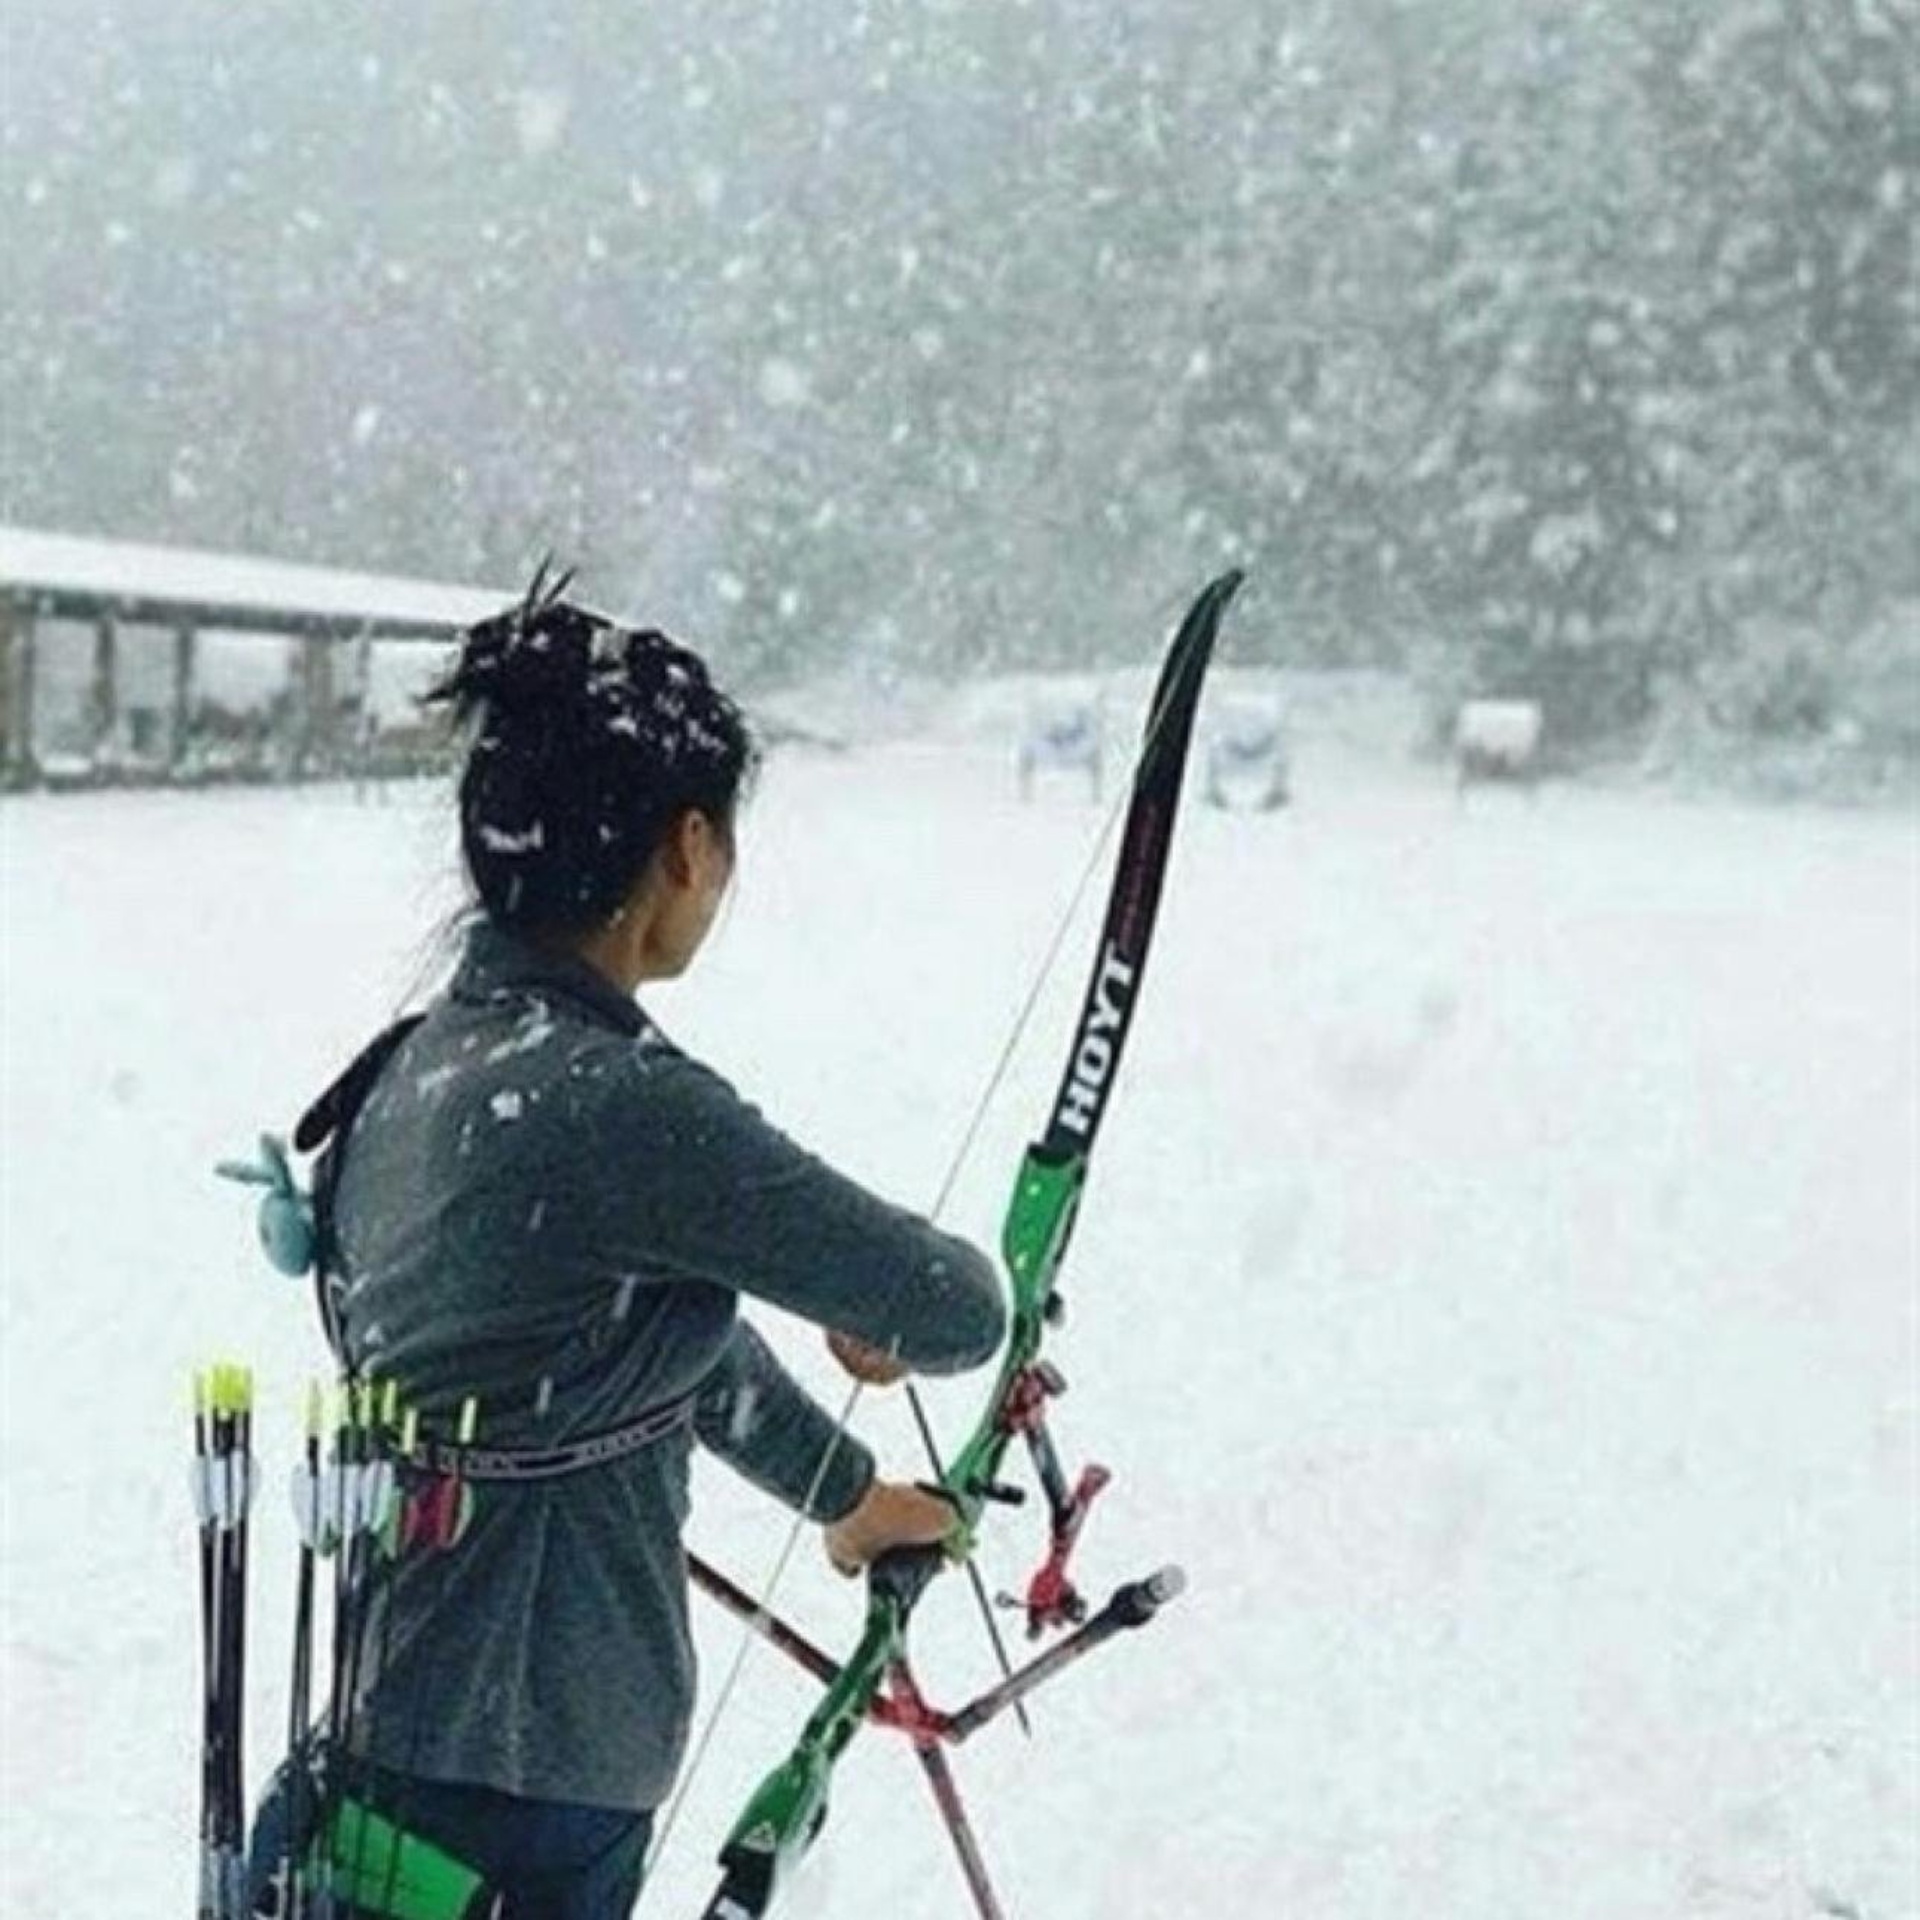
230,1388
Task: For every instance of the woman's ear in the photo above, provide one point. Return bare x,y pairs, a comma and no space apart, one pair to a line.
684,849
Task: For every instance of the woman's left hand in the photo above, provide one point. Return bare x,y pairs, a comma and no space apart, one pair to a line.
890,1514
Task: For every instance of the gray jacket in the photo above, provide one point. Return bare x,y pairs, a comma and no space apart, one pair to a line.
546,1204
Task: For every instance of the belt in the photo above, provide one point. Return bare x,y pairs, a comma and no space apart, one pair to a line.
510,1464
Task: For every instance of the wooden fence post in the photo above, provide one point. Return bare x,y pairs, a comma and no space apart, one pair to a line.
314,725
179,737
19,766
103,704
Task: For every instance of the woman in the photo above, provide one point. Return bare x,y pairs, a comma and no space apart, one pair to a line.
545,1204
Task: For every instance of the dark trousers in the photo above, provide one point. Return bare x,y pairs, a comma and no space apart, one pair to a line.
549,1860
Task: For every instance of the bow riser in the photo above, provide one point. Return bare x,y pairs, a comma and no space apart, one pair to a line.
1046,1197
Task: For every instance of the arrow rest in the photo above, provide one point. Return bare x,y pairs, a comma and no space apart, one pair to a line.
1001,1492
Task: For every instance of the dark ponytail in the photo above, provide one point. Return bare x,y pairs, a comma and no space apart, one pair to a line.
586,741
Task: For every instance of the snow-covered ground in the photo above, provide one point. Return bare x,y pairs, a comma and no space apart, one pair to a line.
1497,1289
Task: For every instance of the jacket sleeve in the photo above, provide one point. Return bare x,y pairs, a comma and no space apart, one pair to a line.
753,1413
691,1179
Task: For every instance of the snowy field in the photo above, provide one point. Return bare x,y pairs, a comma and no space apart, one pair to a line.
1497,1289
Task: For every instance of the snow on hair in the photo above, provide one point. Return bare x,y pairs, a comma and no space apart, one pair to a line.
586,740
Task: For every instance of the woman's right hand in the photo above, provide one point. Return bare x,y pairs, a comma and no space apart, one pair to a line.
891,1513
871,1366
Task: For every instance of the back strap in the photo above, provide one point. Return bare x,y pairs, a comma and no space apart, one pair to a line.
509,1465
333,1112
323,1128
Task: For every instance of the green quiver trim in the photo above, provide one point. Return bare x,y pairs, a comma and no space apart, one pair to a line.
379,1871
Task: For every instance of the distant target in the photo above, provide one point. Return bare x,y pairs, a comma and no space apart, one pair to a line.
1061,733
1247,763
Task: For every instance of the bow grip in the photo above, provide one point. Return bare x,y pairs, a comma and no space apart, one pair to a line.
903,1574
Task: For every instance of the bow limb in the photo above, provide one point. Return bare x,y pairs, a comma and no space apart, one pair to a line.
1053,1174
